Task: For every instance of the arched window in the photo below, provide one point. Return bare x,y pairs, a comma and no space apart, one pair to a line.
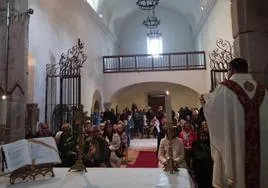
94,4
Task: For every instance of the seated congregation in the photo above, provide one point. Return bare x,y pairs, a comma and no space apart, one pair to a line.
106,142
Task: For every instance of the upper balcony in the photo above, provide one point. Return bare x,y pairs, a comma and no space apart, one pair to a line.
161,62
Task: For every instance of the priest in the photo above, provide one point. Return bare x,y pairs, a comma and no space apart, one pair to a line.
236,113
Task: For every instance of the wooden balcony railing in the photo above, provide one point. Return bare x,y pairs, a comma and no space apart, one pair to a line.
161,62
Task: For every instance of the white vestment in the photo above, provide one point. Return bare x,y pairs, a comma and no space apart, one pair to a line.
225,117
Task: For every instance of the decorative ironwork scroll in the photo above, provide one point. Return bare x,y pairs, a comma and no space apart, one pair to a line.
63,87
219,59
52,70
71,63
221,56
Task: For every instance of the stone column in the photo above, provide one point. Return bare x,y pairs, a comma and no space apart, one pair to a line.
250,32
3,23
3,103
14,63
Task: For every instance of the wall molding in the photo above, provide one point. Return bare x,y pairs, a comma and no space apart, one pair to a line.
203,19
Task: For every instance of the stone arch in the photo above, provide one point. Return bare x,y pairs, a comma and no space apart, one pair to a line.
115,94
181,95
96,102
196,79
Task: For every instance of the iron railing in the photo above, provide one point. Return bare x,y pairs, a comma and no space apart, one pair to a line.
161,62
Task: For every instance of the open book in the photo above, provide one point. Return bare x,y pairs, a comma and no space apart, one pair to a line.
29,152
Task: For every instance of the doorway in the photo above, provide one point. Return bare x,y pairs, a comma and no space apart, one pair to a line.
154,101
96,107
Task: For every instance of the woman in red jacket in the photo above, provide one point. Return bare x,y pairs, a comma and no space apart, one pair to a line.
188,136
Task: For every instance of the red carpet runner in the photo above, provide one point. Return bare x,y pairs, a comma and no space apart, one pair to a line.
145,159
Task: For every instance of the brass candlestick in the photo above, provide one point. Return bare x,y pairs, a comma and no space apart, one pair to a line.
79,118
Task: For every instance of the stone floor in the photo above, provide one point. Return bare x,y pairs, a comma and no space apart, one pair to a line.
143,144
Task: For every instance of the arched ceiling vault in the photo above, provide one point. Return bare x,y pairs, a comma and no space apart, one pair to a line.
190,9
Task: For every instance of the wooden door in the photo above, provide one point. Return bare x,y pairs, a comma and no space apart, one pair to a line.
154,101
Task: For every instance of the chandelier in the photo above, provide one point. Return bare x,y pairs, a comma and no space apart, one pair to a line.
154,33
151,22
147,4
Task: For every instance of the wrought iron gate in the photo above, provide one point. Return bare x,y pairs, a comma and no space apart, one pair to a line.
63,87
219,59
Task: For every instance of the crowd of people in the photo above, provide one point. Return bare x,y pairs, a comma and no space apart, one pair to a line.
108,135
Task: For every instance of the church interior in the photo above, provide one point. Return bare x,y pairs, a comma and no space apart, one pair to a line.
109,79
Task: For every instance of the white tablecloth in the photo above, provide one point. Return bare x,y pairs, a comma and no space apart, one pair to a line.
108,178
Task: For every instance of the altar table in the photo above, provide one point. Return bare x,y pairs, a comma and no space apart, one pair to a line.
108,178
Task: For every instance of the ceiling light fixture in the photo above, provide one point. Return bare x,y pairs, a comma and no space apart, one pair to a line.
151,22
147,4
154,33
101,15
202,7
167,92
4,97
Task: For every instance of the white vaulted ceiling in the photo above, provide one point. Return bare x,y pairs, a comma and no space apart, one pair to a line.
116,10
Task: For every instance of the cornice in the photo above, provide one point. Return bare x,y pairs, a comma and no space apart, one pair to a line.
204,17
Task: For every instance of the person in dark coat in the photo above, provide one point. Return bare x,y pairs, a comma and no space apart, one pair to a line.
202,161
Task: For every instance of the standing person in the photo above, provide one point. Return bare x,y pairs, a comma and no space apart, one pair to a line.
135,118
149,114
188,137
129,126
160,115
236,113
202,162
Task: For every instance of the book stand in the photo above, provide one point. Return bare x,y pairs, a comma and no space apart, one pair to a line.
30,172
